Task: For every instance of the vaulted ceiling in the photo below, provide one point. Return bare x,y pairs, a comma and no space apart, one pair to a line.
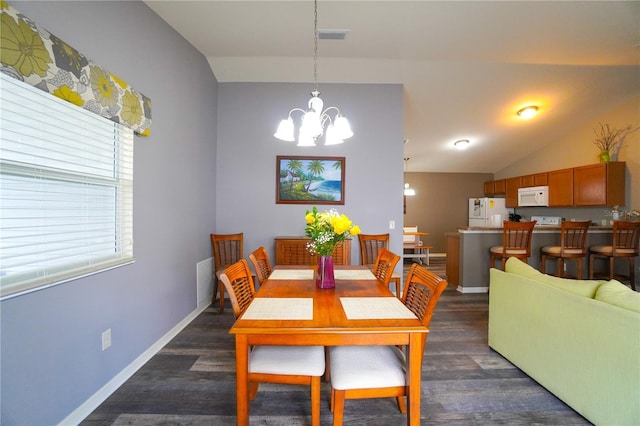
466,66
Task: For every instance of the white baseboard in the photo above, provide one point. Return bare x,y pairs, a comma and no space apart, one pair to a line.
470,290
80,413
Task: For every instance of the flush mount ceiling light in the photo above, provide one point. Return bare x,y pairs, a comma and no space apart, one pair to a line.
408,191
528,112
315,118
461,144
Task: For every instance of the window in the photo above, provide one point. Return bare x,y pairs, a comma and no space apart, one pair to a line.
66,190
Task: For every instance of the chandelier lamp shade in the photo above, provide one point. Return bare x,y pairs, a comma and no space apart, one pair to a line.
315,118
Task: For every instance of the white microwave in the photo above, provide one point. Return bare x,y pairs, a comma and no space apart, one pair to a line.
533,196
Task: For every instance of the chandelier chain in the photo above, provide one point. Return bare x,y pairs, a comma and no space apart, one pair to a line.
315,45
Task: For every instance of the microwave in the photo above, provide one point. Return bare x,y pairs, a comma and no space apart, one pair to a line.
533,196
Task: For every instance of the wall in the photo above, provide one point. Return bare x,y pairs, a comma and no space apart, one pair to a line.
577,149
248,115
51,358
441,203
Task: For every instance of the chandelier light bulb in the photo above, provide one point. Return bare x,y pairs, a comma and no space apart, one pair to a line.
285,130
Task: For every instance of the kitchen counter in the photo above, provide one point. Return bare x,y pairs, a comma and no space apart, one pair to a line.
474,243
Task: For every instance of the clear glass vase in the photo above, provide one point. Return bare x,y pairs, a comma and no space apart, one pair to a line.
324,274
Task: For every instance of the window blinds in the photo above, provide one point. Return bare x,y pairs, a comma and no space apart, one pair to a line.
66,190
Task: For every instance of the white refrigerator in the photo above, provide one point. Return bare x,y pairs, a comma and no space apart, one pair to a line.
487,212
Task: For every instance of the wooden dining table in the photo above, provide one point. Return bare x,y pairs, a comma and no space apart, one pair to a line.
289,310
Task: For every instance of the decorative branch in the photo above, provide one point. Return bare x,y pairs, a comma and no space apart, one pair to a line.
611,139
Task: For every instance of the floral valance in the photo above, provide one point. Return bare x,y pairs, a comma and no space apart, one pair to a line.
37,57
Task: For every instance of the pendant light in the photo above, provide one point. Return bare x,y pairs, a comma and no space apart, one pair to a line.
408,191
315,118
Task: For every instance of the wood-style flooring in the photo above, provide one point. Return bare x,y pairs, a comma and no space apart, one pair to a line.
192,382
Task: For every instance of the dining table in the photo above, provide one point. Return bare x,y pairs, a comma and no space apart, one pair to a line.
289,310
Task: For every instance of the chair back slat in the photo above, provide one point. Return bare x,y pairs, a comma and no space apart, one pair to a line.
261,264
626,236
227,249
516,236
239,284
422,291
573,237
370,245
384,266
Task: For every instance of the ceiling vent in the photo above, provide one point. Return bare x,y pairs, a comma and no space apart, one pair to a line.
332,34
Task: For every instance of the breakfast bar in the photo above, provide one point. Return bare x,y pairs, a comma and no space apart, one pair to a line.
473,247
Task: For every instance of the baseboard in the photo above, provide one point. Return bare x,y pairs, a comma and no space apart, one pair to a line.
81,413
470,290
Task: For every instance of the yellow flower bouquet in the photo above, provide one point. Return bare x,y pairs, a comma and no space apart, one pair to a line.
327,229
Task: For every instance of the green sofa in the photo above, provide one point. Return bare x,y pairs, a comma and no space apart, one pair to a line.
579,339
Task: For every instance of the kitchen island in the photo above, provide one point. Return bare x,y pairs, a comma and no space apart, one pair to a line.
473,248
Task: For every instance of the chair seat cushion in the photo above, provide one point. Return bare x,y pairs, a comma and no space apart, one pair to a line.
557,250
287,360
500,250
608,250
364,367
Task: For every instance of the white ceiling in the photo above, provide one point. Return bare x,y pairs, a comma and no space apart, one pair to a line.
466,66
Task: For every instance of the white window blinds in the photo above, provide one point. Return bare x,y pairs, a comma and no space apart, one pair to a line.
66,190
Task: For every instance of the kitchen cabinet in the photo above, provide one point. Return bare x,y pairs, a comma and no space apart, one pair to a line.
601,184
512,185
560,188
537,179
293,251
494,187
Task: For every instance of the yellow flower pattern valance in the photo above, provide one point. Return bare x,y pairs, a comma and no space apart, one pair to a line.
37,57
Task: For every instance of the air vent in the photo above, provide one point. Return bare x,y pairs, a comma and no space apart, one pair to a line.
332,34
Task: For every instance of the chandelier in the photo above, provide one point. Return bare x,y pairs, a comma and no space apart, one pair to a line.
408,190
315,118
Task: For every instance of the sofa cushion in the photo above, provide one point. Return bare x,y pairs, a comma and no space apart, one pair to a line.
586,288
617,294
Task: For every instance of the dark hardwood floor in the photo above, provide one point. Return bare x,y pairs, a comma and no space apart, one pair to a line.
192,382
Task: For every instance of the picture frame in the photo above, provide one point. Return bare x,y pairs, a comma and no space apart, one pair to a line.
302,179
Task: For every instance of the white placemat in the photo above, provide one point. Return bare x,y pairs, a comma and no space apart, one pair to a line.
354,274
291,274
266,308
375,308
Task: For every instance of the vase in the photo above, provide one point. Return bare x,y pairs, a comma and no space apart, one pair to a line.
324,274
605,156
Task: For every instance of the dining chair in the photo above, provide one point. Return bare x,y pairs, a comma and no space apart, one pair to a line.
296,365
359,372
370,245
384,267
624,246
260,261
516,242
227,250
573,245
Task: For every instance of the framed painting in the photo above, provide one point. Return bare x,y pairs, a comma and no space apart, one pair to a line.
309,180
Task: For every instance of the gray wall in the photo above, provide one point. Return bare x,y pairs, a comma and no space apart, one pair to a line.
51,357
248,115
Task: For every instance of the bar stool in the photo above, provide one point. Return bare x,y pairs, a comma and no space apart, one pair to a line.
624,245
516,242
573,245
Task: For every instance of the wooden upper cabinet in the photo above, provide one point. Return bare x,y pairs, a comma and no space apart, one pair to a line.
601,184
537,179
494,187
512,185
560,188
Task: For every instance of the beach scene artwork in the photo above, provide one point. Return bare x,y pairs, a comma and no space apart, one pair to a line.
310,180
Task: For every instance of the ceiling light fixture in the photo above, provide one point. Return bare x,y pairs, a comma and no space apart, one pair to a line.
528,112
408,191
461,144
315,118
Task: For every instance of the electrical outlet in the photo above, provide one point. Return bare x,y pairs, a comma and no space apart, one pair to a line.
106,339
392,224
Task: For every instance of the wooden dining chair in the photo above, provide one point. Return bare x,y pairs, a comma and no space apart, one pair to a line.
516,242
573,245
624,245
370,245
359,372
295,365
385,266
227,250
260,261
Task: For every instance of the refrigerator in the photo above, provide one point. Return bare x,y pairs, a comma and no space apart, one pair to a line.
487,212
